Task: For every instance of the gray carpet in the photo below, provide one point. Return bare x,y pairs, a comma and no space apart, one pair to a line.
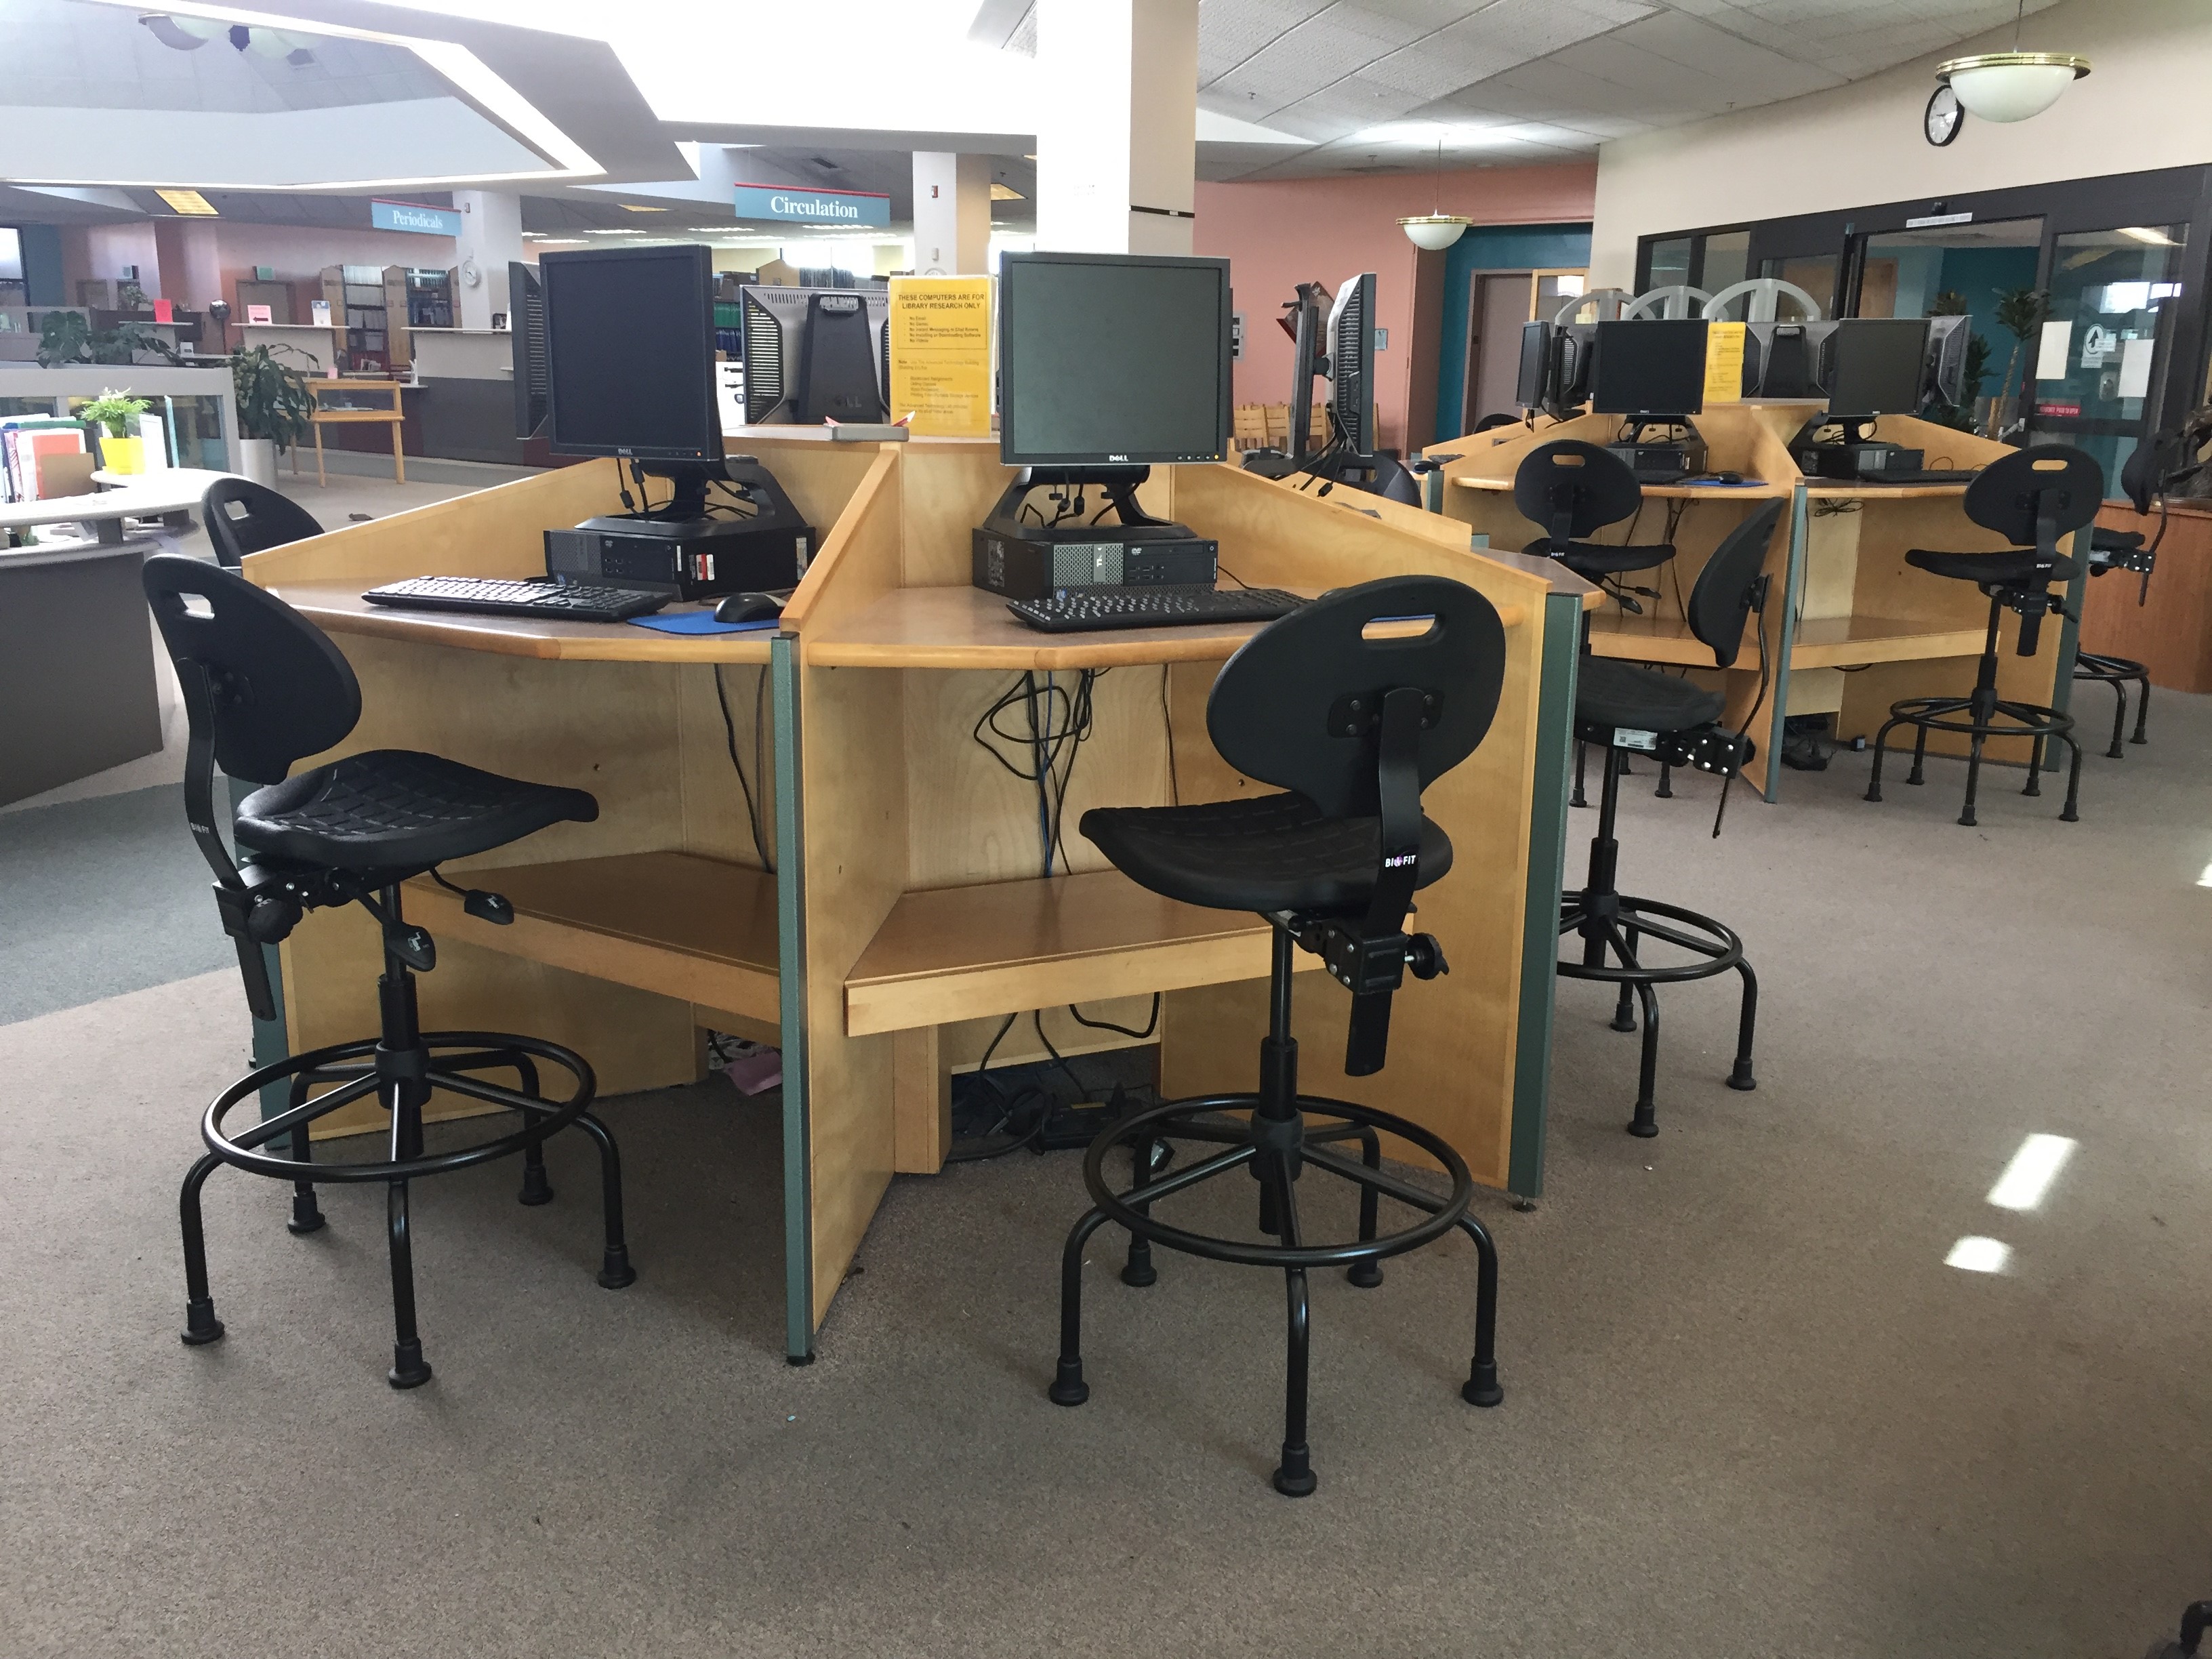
1750,1412
103,896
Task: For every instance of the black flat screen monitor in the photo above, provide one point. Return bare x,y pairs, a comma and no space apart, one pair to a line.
1107,358
629,350
526,301
1653,368
1528,388
1351,363
1876,365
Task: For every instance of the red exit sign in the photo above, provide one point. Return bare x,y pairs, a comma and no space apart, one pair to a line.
2058,409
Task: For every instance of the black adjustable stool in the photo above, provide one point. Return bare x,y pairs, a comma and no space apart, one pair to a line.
1625,709
244,517
1351,729
263,687
2125,550
1575,490
2031,497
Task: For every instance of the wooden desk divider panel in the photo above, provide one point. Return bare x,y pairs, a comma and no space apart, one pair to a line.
2172,634
1851,626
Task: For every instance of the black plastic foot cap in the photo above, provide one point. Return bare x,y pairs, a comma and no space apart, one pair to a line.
305,1221
408,1369
615,1271
1624,1022
1481,1388
1742,1077
536,1189
201,1326
1965,820
1365,1275
1295,1478
1068,1388
2070,816
1644,1128
1138,1274
1874,795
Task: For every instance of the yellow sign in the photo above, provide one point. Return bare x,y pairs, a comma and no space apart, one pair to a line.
941,354
1724,362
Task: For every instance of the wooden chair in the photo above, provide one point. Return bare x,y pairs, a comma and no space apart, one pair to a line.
336,406
1250,430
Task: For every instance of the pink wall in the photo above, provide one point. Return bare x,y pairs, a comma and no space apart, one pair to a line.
1280,233
299,253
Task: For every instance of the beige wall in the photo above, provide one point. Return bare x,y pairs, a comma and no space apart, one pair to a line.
2144,106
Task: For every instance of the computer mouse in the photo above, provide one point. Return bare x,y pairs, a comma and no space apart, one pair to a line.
748,607
1727,478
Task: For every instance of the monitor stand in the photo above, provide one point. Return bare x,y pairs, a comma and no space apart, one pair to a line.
1118,484
684,517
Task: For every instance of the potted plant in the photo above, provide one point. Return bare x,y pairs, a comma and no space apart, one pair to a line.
274,407
2021,312
114,414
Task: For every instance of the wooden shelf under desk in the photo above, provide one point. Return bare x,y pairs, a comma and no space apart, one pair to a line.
338,608
1005,947
1847,641
1649,638
699,930
967,627
1712,492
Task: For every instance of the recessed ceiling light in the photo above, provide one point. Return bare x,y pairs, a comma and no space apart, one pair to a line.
188,202
633,207
1006,193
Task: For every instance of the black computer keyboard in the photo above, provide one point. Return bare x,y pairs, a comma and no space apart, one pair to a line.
1080,610
497,597
1937,477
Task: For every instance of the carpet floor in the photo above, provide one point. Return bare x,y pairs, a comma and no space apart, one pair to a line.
1750,1410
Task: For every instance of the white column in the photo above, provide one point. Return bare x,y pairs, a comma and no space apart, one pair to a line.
1117,133
951,214
491,236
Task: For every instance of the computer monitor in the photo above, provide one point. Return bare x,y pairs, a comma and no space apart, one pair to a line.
630,355
1112,359
814,353
527,347
1653,369
1945,374
1875,366
1351,363
1782,360
1530,381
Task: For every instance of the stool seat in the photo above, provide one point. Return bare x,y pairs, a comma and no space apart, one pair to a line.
1590,560
1263,853
397,808
2115,541
1618,693
2012,566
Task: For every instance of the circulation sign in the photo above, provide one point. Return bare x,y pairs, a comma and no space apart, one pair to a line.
793,204
406,216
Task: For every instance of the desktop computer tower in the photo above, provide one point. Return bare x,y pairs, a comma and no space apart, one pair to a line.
1038,562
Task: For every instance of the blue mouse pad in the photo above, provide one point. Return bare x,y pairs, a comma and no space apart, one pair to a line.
699,622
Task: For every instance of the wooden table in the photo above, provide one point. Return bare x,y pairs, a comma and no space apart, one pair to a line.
2171,632
907,917
327,414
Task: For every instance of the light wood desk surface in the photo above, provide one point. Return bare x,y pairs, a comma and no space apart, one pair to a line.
338,608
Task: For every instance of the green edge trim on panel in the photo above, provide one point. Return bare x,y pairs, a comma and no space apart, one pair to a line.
1547,863
1785,635
791,1005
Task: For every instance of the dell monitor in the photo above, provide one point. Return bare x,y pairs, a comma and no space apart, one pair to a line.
1529,390
815,354
1113,360
1351,364
527,347
1652,370
1875,366
629,353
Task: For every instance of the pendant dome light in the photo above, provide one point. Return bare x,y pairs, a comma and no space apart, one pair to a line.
1434,232
2011,86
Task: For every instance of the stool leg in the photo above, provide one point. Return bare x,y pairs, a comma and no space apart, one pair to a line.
1644,1125
1874,778
1746,1022
306,1215
1137,1271
201,1326
1582,750
2119,720
2142,706
1974,776
2034,785
2073,780
1068,1388
1624,1012
1919,754
1369,1274
409,1370
615,1269
1666,789
536,1189
1481,1387
1294,1477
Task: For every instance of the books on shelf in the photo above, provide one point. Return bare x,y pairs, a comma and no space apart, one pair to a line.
23,440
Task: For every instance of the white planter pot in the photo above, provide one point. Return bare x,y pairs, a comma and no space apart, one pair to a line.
257,461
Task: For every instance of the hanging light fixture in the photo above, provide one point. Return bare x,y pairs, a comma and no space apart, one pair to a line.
2011,86
1434,232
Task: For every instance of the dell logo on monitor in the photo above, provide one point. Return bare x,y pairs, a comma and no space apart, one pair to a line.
1117,457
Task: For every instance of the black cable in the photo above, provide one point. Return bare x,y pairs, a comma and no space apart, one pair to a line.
1008,1104
1036,1018
1151,1025
1232,575
1167,724
730,738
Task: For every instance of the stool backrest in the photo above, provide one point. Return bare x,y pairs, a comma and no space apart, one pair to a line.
244,517
1283,709
2011,493
1574,489
1721,597
277,690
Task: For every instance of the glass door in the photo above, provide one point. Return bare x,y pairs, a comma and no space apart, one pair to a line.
2093,356
1960,269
